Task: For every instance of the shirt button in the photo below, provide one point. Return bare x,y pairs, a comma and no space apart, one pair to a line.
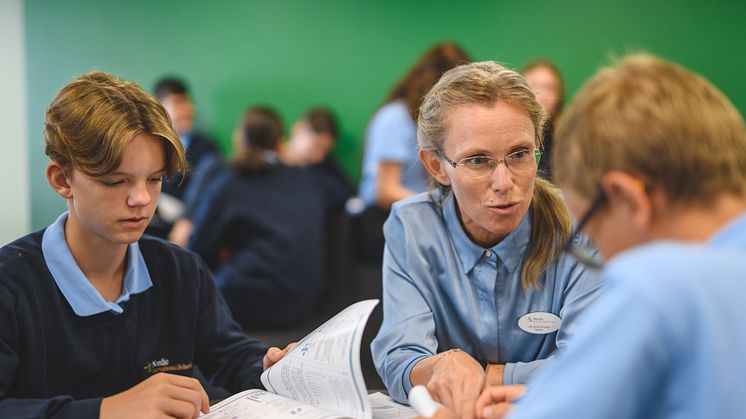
487,253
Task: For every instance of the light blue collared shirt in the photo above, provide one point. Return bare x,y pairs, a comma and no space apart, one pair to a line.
442,291
665,339
186,139
84,299
391,137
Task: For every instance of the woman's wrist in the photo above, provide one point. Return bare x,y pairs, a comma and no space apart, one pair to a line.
494,374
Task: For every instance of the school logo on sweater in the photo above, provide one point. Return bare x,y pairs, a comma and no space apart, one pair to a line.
164,365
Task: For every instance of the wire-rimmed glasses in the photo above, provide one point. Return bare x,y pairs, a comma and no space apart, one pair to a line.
479,167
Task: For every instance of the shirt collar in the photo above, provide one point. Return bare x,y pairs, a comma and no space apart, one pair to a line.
84,299
509,251
186,139
733,233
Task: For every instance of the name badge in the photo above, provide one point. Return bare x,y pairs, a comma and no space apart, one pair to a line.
539,323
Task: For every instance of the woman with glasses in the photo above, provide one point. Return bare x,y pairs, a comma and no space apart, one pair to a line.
476,287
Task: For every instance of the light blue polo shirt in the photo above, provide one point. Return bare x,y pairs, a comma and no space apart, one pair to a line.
84,299
665,339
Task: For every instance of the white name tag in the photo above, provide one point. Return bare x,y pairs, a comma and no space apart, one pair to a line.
539,323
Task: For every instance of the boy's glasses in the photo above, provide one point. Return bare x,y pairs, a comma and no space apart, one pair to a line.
584,254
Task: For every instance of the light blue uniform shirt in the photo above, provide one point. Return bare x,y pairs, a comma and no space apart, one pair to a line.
666,338
84,299
392,137
442,291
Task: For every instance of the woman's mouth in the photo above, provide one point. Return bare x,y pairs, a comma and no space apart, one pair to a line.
504,209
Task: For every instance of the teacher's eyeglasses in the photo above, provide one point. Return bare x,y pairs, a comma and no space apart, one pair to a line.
480,167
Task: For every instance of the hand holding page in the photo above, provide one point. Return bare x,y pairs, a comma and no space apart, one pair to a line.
319,378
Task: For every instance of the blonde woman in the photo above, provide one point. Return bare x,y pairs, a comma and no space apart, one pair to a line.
476,288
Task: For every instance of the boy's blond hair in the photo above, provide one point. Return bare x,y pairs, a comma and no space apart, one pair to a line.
92,119
657,120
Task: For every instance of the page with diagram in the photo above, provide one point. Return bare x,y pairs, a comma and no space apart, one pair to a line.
323,370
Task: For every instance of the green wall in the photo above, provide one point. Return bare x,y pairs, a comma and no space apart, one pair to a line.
346,54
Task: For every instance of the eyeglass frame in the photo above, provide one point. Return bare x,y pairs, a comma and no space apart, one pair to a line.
581,253
504,160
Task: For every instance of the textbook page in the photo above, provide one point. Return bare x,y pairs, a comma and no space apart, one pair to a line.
384,407
323,369
258,404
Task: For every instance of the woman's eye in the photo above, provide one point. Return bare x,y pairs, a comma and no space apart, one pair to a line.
519,155
478,161
156,179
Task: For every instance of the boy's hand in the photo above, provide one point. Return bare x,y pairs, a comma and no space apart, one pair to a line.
275,354
160,396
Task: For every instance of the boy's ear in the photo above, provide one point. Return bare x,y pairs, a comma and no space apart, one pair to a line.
434,166
59,180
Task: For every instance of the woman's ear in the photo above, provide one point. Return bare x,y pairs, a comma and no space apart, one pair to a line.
627,193
59,180
434,166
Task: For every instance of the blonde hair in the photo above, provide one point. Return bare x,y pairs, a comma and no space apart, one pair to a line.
658,120
91,121
486,83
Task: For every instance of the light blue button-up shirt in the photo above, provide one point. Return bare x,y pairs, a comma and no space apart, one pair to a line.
442,291
84,299
665,339
391,137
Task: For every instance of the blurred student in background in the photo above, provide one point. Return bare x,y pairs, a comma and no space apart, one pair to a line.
311,142
99,321
654,166
175,97
391,168
546,80
261,228
476,288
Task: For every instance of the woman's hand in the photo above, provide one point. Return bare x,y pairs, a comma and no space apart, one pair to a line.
453,378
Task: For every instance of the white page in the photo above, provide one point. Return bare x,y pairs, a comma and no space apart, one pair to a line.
258,404
384,407
324,368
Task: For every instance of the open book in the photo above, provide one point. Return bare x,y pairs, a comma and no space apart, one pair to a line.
318,379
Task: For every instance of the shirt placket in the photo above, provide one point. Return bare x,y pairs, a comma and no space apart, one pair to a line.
487,275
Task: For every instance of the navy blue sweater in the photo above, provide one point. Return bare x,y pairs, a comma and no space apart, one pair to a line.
56,364
263,235
200,146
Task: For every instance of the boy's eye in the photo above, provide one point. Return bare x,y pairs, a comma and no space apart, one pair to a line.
156,179
112,182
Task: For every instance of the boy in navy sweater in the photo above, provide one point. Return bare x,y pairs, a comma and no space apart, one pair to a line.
93,313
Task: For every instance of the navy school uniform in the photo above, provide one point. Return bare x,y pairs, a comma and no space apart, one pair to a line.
55,363
198,146
263,235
